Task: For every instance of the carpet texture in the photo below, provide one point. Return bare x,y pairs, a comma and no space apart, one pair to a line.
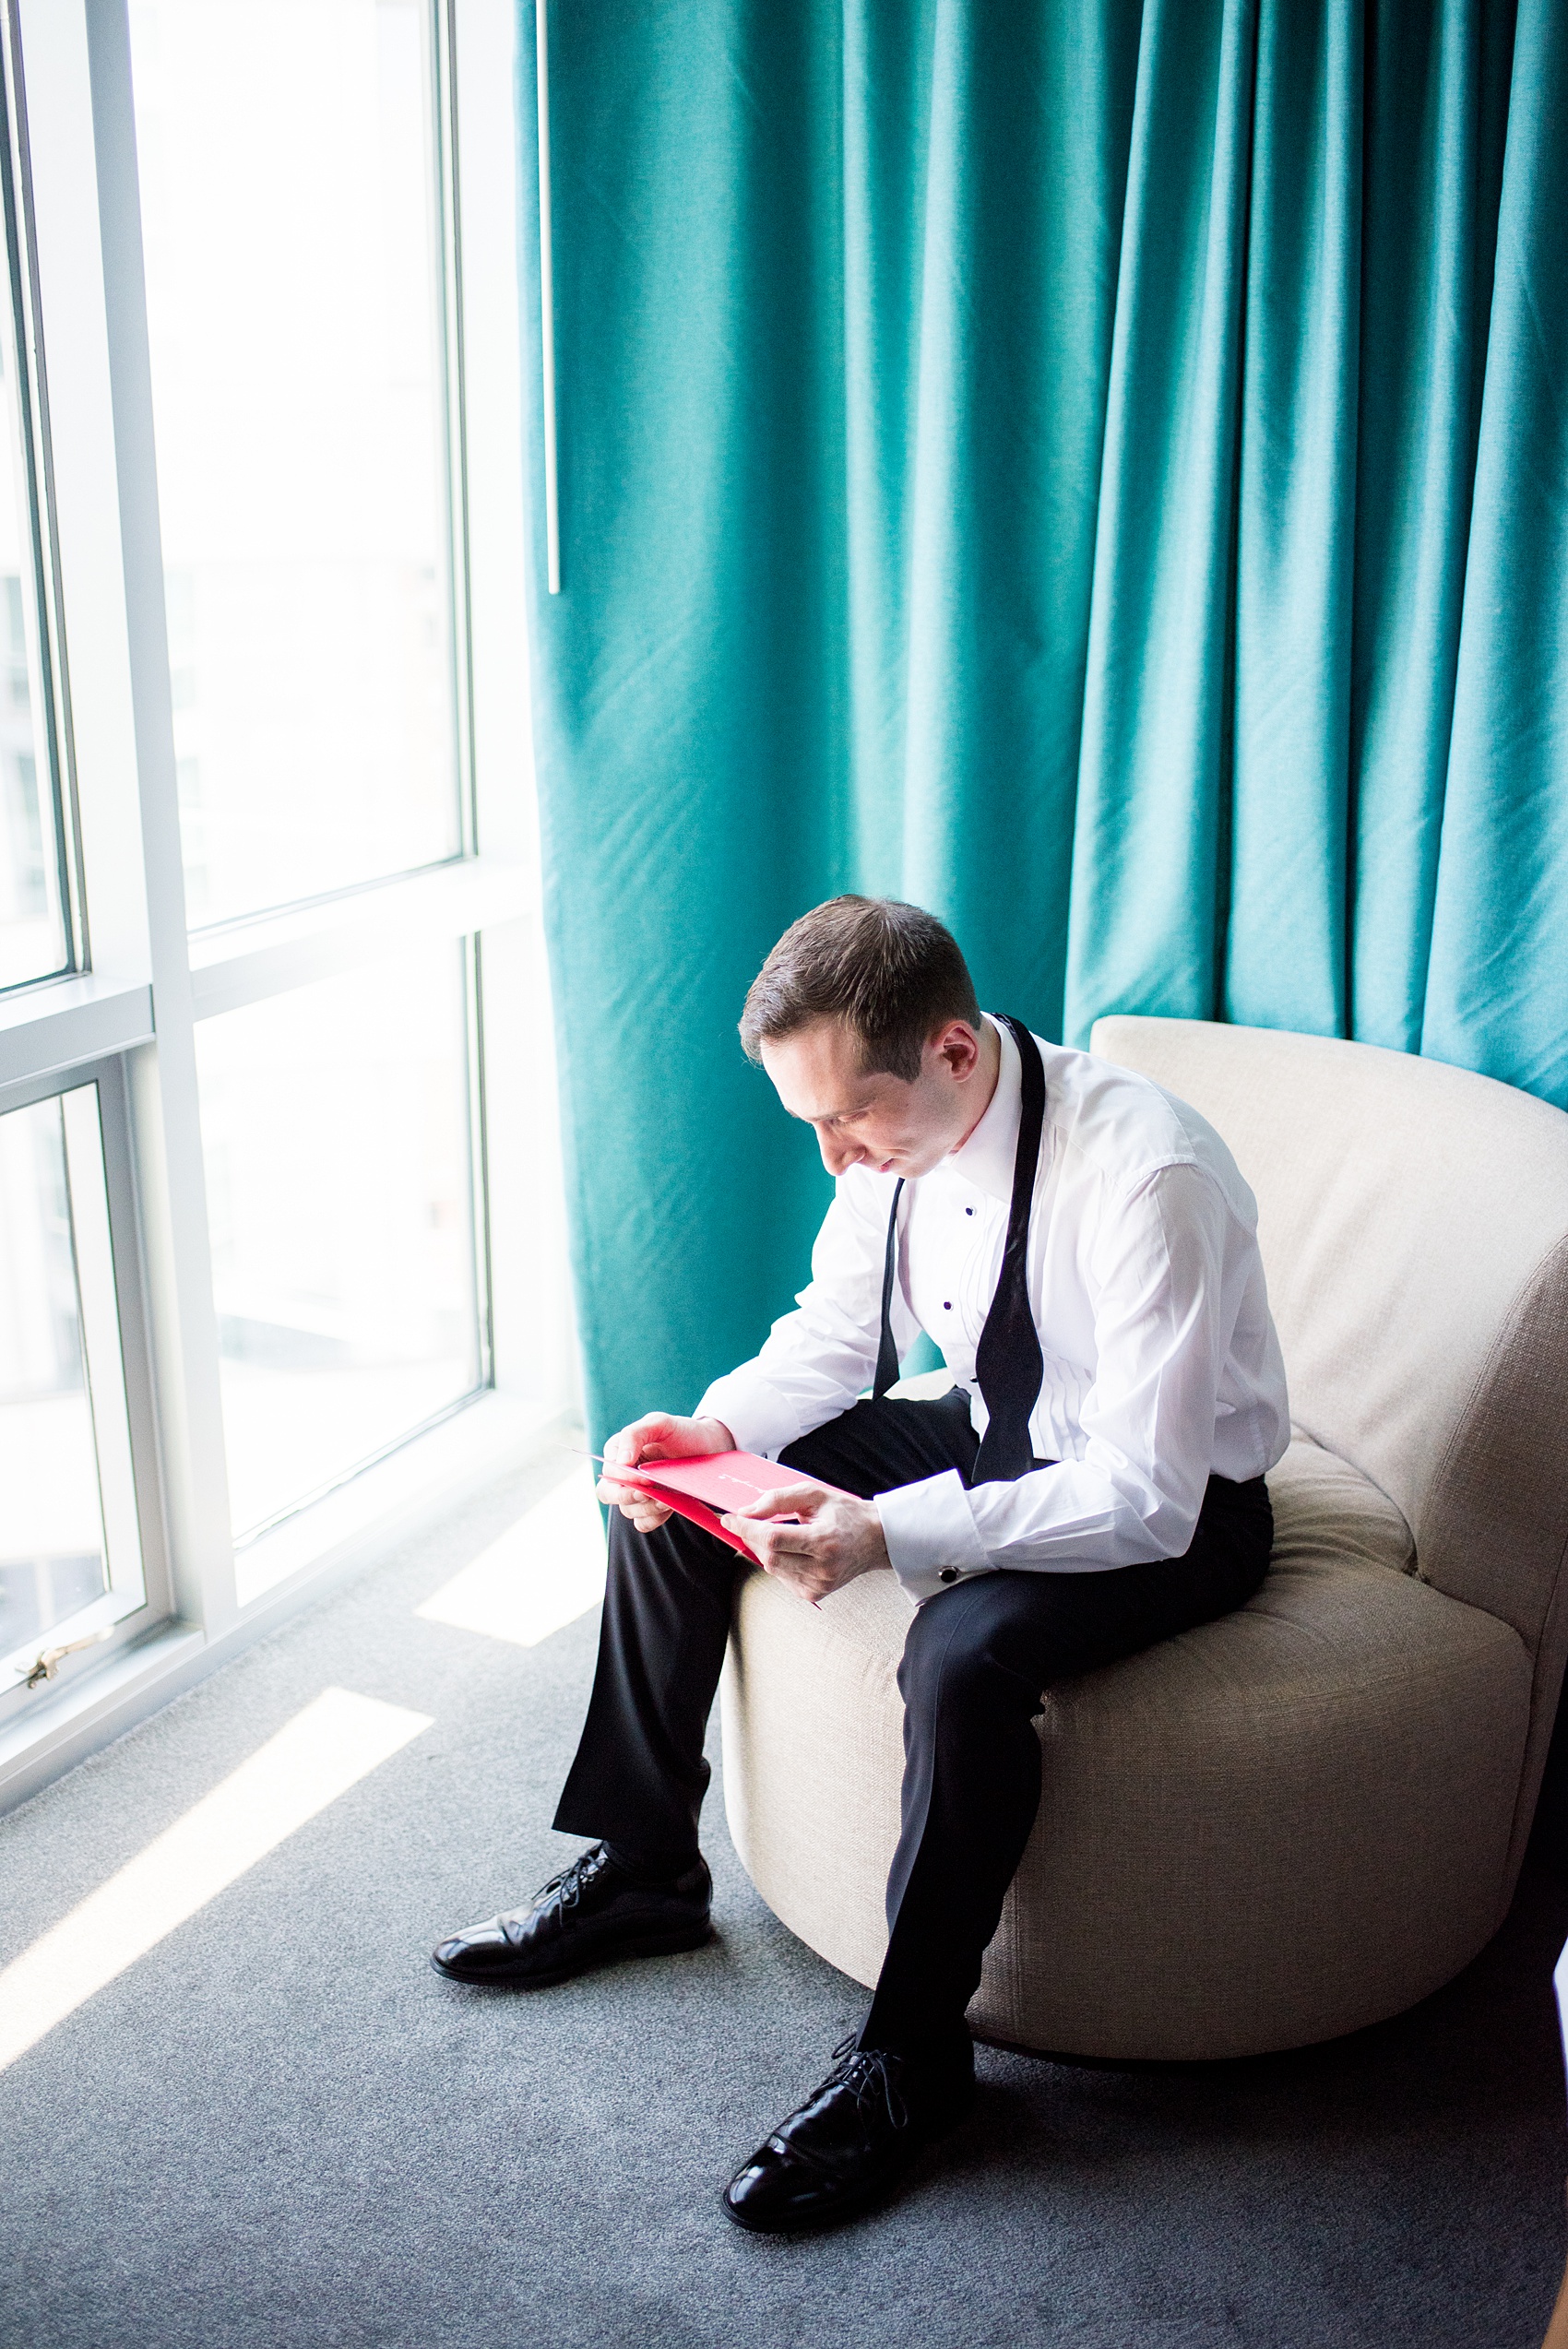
279,2127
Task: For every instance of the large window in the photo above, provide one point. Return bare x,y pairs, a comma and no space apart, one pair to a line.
297,243
275,1259
292,225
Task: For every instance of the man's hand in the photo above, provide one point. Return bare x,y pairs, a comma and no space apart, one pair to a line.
656,1436
838,1538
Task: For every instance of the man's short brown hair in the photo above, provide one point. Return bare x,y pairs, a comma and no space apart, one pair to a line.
891,972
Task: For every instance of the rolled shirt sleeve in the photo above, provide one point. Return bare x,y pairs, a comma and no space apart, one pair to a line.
1162,1321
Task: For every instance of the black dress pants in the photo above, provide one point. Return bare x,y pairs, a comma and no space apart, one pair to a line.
977,1660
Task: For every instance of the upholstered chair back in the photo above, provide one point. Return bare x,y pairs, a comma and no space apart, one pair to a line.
1414,1225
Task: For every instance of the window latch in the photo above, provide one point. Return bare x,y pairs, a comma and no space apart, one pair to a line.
51,1658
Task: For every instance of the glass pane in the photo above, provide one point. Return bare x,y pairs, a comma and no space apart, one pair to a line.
336,1126
53,1555
33,928
290,220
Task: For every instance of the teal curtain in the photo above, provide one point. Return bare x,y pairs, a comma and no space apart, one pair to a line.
1098,470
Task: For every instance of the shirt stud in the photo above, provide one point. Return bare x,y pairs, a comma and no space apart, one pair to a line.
947,1574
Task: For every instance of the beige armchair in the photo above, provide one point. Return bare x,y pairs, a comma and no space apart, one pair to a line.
1306,1817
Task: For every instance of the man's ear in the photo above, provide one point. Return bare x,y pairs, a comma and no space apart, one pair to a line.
958,1045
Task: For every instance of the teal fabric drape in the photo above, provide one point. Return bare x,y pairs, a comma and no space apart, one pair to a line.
1098,470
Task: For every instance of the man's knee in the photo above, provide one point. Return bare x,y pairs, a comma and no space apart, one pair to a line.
957,1656
625,1546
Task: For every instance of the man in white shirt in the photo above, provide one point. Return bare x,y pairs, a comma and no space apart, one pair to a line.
1084,1251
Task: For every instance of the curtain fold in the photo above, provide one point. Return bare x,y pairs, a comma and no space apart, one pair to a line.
1151,832
1295,531
1098,470
1436,114
1497,984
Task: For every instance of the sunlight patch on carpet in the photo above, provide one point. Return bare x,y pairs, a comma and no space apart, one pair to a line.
539,1575
336,1740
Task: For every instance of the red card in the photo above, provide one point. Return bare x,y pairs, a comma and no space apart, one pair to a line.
701,1486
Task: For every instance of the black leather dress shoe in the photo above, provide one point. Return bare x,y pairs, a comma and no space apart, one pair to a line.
592,1913
850,2143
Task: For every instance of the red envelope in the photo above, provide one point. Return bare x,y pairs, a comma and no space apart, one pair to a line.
701,1486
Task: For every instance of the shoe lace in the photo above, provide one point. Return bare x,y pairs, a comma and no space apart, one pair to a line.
567,1887
867,2073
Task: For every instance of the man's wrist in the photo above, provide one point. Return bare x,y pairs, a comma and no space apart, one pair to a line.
753,1416
931,1535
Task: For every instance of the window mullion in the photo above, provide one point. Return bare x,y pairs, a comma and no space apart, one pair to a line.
166,1123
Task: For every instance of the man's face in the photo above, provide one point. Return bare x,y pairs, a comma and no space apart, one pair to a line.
879,1122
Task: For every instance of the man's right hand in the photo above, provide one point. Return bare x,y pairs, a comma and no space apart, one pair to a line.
659,1435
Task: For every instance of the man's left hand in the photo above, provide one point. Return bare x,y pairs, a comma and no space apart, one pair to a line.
838,1538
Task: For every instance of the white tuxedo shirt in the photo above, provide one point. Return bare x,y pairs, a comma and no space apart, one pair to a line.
1161,1362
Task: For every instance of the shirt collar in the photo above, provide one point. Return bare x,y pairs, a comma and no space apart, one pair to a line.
986,1158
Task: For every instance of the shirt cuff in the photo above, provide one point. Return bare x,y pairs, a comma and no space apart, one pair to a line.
931,1535
760,1419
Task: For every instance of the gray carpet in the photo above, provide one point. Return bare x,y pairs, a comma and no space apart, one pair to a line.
279,2127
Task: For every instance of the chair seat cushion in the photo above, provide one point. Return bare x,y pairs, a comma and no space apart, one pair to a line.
1275,1828
1324,1507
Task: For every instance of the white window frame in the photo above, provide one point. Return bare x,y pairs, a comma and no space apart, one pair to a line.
47,659
127,1017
